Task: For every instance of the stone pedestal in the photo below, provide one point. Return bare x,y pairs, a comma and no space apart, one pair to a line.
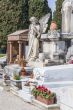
53,47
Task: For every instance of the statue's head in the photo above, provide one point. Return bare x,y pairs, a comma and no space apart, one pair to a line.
33,20
53,25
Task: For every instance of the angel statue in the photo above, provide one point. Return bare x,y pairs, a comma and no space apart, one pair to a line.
36,28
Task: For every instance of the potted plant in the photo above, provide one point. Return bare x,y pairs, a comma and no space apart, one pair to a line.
44,95
16,77
18,82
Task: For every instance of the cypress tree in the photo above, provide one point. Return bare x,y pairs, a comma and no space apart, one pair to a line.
57,13
13,16
38,8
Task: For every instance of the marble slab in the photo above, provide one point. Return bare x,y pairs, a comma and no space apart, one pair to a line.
54,73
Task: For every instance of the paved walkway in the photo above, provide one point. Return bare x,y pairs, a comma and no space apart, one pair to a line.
8,101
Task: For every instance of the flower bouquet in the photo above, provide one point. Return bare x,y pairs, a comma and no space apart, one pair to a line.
44,95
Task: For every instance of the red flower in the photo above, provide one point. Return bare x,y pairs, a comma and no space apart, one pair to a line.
43,92
43,89
71,62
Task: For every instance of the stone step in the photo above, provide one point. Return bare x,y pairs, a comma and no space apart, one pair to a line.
22,94
43,106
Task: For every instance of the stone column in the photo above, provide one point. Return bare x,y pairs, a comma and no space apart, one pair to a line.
20,49
10,61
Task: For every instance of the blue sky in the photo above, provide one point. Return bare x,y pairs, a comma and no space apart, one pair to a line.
51,4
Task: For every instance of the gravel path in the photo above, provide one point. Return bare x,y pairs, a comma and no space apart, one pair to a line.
8,101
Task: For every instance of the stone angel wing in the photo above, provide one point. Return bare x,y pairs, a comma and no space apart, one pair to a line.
44,22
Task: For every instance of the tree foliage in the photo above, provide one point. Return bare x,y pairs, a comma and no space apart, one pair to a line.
57,13
39,8
13,16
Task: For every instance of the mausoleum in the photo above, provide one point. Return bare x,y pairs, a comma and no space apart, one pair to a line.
16,45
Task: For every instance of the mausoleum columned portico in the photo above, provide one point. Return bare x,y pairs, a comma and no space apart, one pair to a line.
16,44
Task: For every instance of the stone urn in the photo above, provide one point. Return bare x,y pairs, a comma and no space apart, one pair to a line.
53,25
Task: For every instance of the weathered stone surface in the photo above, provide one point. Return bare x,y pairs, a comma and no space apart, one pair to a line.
54,73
